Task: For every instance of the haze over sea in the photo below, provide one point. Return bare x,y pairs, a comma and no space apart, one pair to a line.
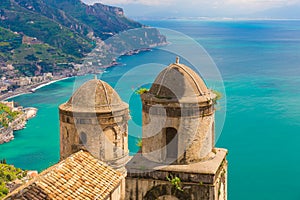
260,65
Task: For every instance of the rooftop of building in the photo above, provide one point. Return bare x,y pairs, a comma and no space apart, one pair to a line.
94,96
180,83
80,176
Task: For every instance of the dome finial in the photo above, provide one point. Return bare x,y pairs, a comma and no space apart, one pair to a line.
95,76
177,60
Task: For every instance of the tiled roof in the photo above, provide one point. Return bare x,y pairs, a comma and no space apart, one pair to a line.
80,176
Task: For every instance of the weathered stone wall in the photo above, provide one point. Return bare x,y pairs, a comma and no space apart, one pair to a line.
195,134
145,189
105,136
220,192
139,188
205,180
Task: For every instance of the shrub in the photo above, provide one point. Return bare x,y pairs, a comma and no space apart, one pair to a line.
218,94
175,181
139,143
141,91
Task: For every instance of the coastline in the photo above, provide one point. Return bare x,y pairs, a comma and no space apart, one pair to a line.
30,89
49,83
7,137
34,87
7,134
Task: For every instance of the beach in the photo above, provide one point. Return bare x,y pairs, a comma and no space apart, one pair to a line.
29,89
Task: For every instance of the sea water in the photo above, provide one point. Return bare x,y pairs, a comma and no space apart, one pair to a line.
260,65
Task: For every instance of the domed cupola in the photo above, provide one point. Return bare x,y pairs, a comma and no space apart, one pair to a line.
95,96
178,117
95,119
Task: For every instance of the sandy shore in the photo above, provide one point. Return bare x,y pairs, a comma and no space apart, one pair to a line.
48,83
12,96
29,89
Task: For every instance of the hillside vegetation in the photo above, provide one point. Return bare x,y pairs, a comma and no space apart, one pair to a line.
59,31
28,58
8,173
7,115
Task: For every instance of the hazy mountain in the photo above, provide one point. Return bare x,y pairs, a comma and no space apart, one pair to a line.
138,11
287,12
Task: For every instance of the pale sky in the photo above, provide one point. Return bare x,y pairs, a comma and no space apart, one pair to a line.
198,8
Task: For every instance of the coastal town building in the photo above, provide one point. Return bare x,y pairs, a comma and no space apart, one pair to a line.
3,88
11,83
11,105
177,160
26,81
30,40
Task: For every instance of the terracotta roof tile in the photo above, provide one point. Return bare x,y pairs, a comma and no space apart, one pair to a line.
79,176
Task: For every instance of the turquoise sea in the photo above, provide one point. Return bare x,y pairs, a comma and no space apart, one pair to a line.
260,65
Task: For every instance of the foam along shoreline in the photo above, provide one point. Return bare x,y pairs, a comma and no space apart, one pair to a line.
48,83
30,90
15,95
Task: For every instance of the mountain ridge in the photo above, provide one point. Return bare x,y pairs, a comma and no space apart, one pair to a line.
66,31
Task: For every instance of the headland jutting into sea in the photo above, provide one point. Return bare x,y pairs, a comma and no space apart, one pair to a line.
13,118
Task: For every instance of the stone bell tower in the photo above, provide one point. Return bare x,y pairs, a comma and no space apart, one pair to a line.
178,141
95,119
184,108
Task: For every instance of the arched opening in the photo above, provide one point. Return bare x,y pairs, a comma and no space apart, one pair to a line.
82,138
110,144
166,192
115,150
171,143
66,134
123,143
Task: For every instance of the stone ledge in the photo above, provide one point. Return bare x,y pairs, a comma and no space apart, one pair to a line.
205,171
204,167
